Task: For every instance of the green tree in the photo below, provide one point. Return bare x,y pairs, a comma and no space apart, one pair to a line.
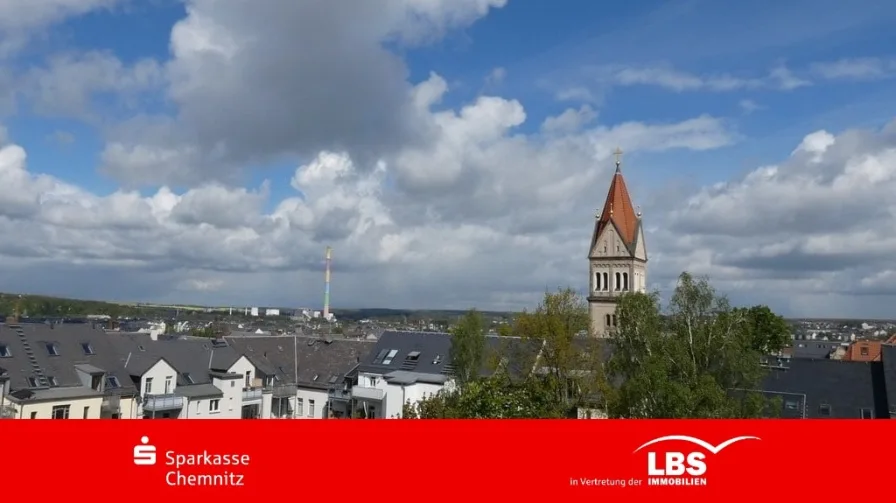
768,332
570,361
468,347
496,397
688,365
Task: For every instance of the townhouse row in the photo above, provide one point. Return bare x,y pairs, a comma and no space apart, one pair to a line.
77,371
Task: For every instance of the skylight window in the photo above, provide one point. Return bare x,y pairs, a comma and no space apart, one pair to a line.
87,348
413,356
52,381
52,350
112,382
187,377
333,379
4,351
390,356
141,348
33,382
380,356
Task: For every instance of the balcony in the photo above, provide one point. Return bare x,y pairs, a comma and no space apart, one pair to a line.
153,403
251,394
340,394
364,393
284,391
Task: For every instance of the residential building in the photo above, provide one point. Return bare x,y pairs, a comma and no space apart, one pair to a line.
191,379
863,351
300,371
617,257
406,367
63,372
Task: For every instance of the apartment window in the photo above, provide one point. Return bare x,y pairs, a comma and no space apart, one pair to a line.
824,410
52,350
300,407
372,413
4,351
60,412
248,379
52,381
112,382
867,414
169,380
791,404
147,386
87,348
34,415
214,405
864,351
86,413
310,408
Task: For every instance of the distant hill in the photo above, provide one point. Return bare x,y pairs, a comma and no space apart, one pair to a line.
447,315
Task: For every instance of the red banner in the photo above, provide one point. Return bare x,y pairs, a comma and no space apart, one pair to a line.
451,461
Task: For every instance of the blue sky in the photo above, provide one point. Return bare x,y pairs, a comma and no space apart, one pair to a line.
765,74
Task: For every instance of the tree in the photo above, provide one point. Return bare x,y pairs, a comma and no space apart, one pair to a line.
768,332
468,347
570,362
495,397
688,365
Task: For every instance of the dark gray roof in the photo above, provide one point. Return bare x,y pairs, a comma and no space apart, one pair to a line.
430,353
831,389
814,349
76,344
321,363
189,357
198,391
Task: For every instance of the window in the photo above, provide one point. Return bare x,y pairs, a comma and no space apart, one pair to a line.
34,415
4,351
597,281
87,348
112,382
390,356
864,351
33,382
791,404
61,411
188,378
86,413
618,282
52,350
413,356
606,282
141,348
371,413
625,281
52,381
300,407
169,380
310,408
214,405
147,386
824,410
609,320
248,378
867,414
380,356
614,320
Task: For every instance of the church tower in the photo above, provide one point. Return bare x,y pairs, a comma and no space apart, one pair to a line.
618,255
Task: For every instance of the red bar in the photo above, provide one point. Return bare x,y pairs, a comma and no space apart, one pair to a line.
433,461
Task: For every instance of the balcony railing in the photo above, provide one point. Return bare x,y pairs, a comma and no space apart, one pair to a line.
162,402
341,394
251,394
364,393
8,412
284,390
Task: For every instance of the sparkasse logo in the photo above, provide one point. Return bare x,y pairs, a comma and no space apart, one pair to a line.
680,468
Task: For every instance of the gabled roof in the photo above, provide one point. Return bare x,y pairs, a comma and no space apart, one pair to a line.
189,357
430,353
73,345
619,211
320,361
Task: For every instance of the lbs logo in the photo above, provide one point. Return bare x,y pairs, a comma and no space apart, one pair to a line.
674,468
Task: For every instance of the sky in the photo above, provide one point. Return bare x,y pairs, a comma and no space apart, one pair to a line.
452,152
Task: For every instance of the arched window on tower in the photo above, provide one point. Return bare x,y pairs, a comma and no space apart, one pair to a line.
618,282
625,281
614,320
606,282
608,321
597,278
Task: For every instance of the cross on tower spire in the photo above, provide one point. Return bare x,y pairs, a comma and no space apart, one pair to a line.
618,154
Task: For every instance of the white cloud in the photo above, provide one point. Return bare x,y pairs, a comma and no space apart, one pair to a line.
749,106
856,69
19,19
